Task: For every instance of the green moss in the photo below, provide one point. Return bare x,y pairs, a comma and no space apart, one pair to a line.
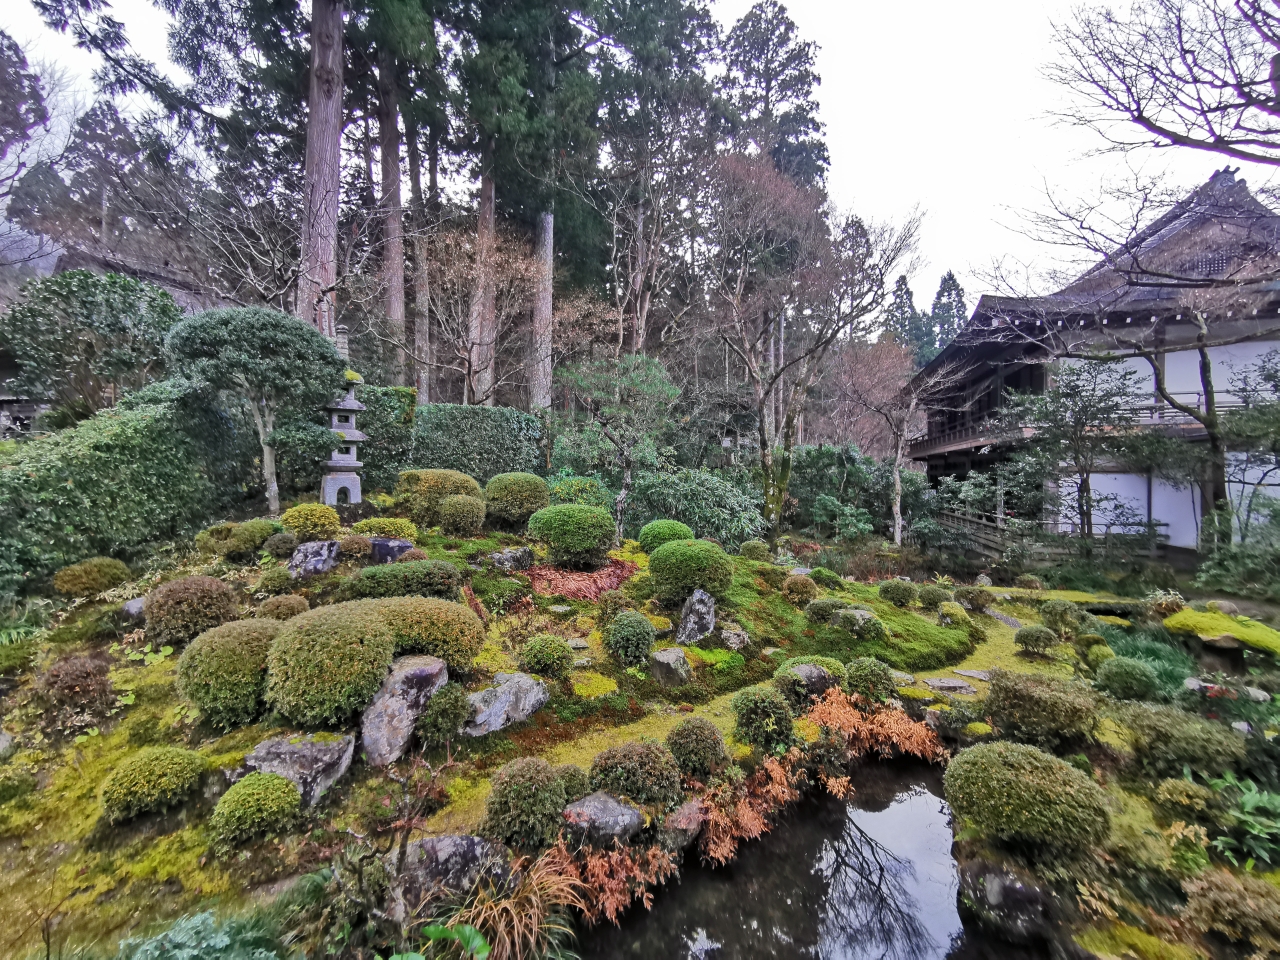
1120,940
1208,625
977,729
589,685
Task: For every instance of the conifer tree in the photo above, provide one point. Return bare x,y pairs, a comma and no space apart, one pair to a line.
949,309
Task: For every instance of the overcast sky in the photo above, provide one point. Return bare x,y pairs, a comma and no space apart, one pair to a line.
931,104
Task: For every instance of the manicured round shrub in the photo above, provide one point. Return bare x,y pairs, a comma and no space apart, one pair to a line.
1027,581
151,780
419,492
1060,616
772,576
257,805
281,545
763,719
698,747
682,566
1127,679
1022,796
976,599
546,655
1040,710
865,626
657,532
283,607
461,516
578,537
181,609
575,781
236,542
870,679
412,555
823,609
524,806
1035,639
1165,739
273,581
90,577
951,614
325,665
355,547
793,686
515,497
799,589
644,772
397,528
224,670
439,628
312,521
77,692
630,638
900,593
424,578
586,491
931,597
827,578
445,713
1098,654
756,550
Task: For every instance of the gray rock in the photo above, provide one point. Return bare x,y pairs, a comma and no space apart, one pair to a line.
601,818
1241,727
800,571
584,662
132,611
1257,696
577,643
853,619
670,667
313,559
314,762
982,580
1224,642
1195,685
450,863
560,609
904,679
513,559
974,674
7,748
516,698
388,549
682,825
735,638
388,722
1004,618
770,651
1006,903
947,685
1225,607
697,619
816,680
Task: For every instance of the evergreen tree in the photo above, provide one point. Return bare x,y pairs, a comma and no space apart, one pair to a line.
949,309
907,325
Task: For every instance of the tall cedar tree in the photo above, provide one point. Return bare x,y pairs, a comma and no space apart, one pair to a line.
949,311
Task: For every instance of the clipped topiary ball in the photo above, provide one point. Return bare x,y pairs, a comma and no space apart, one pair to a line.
657,532
312,521
823,609
1035,639
515,497
524,806
397,528
1022,796
799,589
259,804
898,592
151,780
284,607
461,516
586,491
281,545
1060,616
224,670
644,772
419,493
439,628
412,555
1127,679
575,781
424,578
931,597
90,577
698,747
355,547
273,581
444,716
756,550
578,537
682,566
179,610
1041,710
546,655
629,638
827,578
763,719
1098,654
976,599
870,679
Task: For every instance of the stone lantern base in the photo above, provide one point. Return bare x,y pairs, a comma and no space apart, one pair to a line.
339,488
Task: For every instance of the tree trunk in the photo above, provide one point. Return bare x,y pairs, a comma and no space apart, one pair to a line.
392,212
265,421
420,341
620,501
482,328
540,344
318,271
899,455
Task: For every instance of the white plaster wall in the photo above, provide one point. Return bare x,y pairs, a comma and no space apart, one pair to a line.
1129,488
1182,369
1180,509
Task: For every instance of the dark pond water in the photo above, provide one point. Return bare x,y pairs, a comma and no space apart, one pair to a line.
867,879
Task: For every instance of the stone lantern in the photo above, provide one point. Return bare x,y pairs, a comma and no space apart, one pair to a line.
341,481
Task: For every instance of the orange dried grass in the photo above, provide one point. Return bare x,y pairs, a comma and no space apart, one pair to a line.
737,812
614,879
886,732
580,586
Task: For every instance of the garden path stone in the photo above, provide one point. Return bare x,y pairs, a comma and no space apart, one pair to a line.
513,559
516,698
697,618
577,643
670,667
388,549
453,863
314,762
974,674
948,685
313,559
1004,618
388,722
601,818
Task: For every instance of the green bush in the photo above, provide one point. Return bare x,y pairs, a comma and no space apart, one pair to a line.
181,609
311,521
1240,907
325,665
273,581
1026,581
419,493
281,545
236,542
1127,679
90,577
546,655
827,578
610,604
14,783
224,670
444,716
792,686
258,804
644,772
657,532
1164,740
756,550
575,781
706,501
864,626
698,747
1022,796
773,577
931,597
397,528
524,807
763,719
900,593
450,631
425,578
151,780
951,613
1060,616
682,566
461,516
629,638
977,599
476,440
587,491
1040,710
515,497
578,537
1098,654
1035,639
355,547
799,589
387,420
283,607
870,679
823,609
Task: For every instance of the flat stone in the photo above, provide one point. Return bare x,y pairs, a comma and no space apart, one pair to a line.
682,825
800,571
388,549
735,639
670,667
1195,685
560,609
577,643
974,674
513,559
602,818
388,722
904,679
816,680
947,685
314,762
313,559
133,611
697,619
449,863
1222,642
516,698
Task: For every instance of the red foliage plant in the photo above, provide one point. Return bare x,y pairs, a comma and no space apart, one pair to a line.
580,586
886,732
740,811
613,879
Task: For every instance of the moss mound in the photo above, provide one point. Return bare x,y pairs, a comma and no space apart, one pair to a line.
682,566
424,578
224,670
450,631
1209,624
397,528
182,609
756,550
90,577
153,779
901,593
799,589
259,804
283,607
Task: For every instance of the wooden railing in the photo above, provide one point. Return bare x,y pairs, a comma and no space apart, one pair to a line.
994,536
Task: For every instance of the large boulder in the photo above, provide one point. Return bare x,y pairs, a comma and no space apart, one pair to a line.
314,762
451,863
388,722
670,667
314,558
388,549
697,619
682,825
513,559
602,818
817,680
516,698
133,612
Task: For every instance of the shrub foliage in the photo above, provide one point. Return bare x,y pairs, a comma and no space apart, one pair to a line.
546,655
259,804
181,609
90,577
763,719
644,772
151,780
657,532
1040,710
629,638
224,670
515,497
698,747
682,566
577,536
524,806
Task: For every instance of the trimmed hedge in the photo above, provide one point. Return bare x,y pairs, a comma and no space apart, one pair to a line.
524,806
977,599
824,608
645,772
311,521
180,610
283,607
151,780
426,578
419,492
629,638
513,498
461,516
1060,616
763,719
799,589
90,577
387,420
396,527
756,550
588,491
1127,679
1040,710
450,631
657,532
479,441
898,592
1035,638
224,670
827,578
546,655
932,597
578,537
256,805
682,566
870,679
698,747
